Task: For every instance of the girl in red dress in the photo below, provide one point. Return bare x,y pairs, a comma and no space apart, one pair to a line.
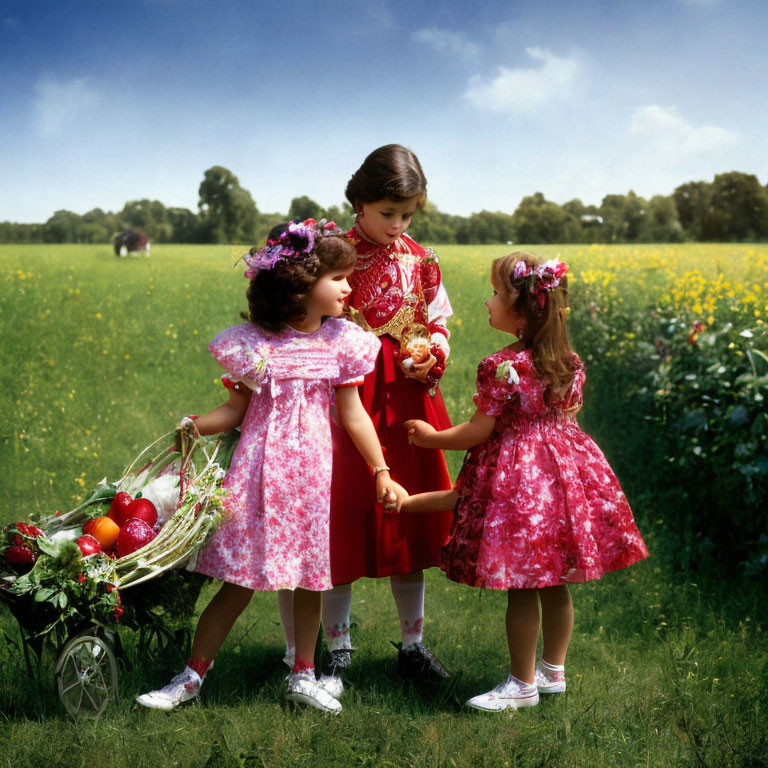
536,503
397,293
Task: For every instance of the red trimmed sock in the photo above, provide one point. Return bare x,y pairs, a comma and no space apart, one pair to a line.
200,666
300,665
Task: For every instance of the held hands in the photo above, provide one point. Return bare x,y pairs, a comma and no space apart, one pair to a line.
419,432
389,493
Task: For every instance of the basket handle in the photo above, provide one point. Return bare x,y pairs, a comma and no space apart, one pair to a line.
187,444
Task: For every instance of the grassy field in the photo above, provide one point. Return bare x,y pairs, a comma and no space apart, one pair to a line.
100,355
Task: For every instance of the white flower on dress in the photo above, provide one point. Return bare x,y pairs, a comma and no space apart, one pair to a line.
506,372
258,371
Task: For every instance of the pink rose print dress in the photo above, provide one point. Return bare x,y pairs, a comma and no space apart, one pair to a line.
276,532
538,503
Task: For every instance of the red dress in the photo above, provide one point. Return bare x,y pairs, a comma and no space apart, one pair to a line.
395,289
538,503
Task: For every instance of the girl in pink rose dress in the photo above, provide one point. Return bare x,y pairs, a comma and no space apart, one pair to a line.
286,369
536,504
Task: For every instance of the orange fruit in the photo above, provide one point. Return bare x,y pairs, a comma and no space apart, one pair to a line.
104,530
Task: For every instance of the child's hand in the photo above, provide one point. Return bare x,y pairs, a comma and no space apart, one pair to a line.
419,371
187,424
390,494
419,432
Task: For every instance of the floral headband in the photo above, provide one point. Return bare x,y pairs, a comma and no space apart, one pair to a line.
294,243
542,279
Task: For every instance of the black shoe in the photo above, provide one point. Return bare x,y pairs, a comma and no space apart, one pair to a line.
336,663
419,663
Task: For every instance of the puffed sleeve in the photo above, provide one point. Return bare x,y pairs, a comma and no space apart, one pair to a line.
496,385
234,349
357,351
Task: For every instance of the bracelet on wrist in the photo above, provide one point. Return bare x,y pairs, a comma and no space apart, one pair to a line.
376,470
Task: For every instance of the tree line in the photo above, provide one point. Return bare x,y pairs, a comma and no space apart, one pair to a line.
732,207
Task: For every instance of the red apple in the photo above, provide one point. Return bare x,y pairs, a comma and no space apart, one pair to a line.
89,545
133,535
118,507
143,509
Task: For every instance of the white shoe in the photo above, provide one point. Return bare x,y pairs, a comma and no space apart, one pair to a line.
331,684
550,678
183,687
511,694
303,689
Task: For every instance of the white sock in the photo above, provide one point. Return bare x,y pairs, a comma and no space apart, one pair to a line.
521,683
552,672
337,603
409,599
285,606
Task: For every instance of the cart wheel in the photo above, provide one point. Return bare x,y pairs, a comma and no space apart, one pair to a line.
86,675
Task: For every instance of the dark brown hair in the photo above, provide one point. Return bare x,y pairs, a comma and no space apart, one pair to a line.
391,171
276,296
545,332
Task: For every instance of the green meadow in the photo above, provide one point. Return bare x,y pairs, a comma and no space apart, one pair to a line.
667,667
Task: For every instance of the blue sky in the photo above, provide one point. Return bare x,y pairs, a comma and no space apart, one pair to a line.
103,102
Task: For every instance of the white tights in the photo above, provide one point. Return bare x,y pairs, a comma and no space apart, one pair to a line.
337,604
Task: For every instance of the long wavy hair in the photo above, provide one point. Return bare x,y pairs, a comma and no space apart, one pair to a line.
545,332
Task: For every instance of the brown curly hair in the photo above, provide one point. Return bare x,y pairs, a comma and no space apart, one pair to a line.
276,296
392,171
545,332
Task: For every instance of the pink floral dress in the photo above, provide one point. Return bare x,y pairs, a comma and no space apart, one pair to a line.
276,533
538,503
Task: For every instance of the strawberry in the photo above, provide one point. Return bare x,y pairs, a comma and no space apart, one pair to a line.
19,555
29,530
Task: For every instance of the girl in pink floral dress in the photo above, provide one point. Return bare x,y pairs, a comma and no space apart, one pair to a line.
536,503
286,369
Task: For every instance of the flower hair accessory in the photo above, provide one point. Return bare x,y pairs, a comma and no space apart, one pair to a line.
294,243
546,277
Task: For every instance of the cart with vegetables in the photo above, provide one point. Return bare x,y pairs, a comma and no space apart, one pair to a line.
122,558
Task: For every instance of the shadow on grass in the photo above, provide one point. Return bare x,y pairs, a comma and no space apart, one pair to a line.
257,674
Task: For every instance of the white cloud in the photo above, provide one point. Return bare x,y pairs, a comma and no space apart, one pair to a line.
443,40
523,90
60,102
667,132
